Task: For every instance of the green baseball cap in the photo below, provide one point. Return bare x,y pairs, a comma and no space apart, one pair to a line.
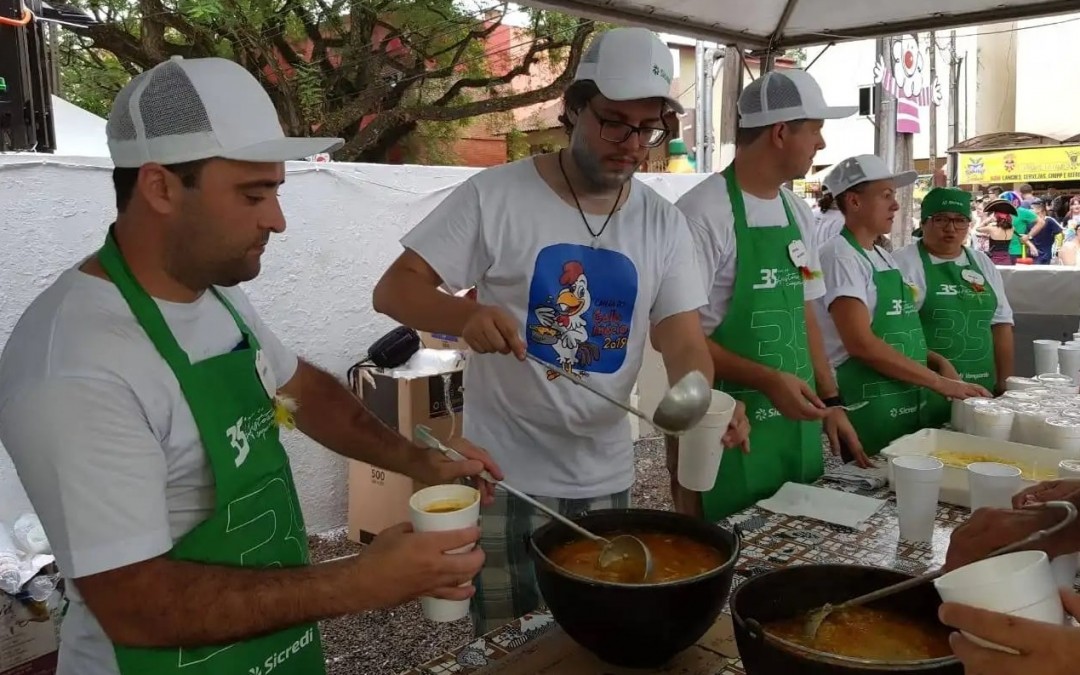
945,200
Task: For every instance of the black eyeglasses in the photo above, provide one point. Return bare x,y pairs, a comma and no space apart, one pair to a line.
614,131
958,223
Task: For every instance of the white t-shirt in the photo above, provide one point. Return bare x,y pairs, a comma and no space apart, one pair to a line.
911,265
827,225
712,224
527,251
102,438
847,274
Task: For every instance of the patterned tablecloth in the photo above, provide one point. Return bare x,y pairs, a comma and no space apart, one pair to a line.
770,540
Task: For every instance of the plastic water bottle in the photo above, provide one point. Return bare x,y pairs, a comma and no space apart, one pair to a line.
30,535
10,575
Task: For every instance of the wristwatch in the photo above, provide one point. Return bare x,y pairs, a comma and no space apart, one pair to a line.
833,402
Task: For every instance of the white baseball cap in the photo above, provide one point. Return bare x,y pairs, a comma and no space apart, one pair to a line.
629,64
864,169
183,110
785,96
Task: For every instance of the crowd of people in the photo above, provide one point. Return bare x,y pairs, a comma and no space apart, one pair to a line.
141,395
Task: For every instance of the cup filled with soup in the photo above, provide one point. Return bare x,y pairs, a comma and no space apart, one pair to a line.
436,509
635,623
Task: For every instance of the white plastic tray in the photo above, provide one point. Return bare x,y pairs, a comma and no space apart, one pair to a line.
954,483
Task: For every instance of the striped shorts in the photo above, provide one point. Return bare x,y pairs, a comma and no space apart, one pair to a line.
506,587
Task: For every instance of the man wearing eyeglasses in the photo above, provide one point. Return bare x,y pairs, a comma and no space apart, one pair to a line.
573,260
960,296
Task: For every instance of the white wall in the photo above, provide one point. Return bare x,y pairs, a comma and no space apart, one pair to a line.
1048,70
344,222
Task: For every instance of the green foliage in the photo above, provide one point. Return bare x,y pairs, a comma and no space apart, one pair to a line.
326,63
517,144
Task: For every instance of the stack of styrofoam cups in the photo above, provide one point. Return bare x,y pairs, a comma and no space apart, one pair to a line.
992,485
992,421
967,409
1055,379
1069,468
917,481
436,509
1029,423
700,449
1069,361
1017,383
1046,355
1019,584
1063,433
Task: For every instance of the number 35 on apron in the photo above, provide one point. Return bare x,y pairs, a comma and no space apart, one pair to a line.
256,522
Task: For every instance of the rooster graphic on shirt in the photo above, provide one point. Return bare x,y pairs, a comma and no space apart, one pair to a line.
581,302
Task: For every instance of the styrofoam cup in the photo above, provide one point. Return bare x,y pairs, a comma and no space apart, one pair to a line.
1069,468
959,419
1017,383
969,405
1046,355
467,499
1069,361
1065,568
1063,433
992,485
1054,378
1029,420
1020,584
917,482
992,422
700,449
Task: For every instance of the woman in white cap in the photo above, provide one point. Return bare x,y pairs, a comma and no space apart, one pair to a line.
870,323
961,297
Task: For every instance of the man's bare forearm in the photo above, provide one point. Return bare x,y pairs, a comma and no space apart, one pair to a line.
409,298
823,374
170,603
332,416
733,368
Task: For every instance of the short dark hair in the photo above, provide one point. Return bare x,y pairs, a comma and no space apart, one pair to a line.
1026,188
124,179
747,136
574,99
841,199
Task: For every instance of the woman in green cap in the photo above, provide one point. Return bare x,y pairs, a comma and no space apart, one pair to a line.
869,321
961,299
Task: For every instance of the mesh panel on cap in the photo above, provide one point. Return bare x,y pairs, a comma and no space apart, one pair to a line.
592,54
120,125
170,105
849,173
780,94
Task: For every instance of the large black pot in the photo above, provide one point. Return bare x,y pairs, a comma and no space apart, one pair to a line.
634,626
790,591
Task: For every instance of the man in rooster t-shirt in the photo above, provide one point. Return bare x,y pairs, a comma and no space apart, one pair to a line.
573,260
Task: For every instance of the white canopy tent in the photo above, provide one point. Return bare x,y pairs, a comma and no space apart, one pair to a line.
778,24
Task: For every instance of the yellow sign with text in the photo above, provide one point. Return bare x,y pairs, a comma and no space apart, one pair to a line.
1055,163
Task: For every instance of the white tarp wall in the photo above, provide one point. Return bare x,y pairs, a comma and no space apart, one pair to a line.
344,222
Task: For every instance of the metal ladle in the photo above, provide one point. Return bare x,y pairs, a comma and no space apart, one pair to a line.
815,618
626,553
683,406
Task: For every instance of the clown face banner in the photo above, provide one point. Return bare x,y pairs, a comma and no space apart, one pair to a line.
907,78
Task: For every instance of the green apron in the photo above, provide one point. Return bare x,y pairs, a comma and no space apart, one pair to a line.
257,521
956,315
765,323
894,407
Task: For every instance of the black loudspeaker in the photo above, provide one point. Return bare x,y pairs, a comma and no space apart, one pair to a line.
26,112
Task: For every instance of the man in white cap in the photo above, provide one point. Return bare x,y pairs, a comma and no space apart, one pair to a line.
141,397
754,241
573,260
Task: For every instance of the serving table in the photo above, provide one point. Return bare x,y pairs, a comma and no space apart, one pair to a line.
535,644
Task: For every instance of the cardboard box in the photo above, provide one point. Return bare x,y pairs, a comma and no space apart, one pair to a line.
441,341
378,498
30,634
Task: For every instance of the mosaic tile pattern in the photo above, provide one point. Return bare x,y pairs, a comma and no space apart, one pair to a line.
769,541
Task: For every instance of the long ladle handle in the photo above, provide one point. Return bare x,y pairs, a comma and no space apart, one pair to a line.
1070,516
582,383
424,435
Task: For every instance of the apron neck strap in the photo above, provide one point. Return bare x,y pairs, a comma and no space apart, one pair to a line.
850,236
738,204
146,311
